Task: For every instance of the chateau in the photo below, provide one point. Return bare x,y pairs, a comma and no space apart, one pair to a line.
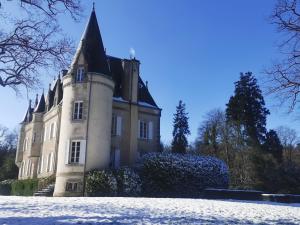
96,115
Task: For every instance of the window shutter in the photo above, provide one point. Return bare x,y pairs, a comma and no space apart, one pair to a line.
26,167
139,129
117,158
119,125
38,166
49,132
50,161
53,161
42,163
150,130
47,163
45,133
82,152
31,168
54,130
67,152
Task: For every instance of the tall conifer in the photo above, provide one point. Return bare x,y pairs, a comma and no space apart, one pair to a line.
180,130
247,109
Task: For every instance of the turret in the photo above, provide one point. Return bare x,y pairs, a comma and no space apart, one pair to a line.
85,130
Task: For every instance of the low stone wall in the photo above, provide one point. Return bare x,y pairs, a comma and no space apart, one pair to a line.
212,193
284,198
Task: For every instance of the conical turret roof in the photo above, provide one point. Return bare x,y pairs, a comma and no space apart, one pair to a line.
91,46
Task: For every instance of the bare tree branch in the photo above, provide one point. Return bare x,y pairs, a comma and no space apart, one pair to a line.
284,78
35,42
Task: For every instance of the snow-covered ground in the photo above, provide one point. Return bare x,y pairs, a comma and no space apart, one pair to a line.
42,211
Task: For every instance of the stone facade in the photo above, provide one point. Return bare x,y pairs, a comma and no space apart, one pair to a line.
96,115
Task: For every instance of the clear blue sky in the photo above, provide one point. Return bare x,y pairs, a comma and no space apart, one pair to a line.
189,50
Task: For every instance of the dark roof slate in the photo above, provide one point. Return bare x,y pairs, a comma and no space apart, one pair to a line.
93,49
117,72
28,115
41,105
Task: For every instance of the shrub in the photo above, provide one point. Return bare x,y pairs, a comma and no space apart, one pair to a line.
101,183
44,182
5,187
129,182
24,187
177,175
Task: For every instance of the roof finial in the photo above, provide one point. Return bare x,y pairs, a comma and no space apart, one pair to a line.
93,6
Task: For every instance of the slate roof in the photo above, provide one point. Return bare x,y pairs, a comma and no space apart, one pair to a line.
41,105
117,73
91,46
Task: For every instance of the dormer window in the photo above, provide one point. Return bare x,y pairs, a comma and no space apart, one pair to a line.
80,74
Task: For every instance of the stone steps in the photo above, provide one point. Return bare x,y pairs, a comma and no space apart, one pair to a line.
45,192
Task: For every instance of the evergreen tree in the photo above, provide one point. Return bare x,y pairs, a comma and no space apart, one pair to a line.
180,130
273,145
246,108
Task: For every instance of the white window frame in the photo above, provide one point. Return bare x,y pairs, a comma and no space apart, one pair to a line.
143,130
116,125
77,114
25,145
76,158
80,74
72,186
45,132
52,130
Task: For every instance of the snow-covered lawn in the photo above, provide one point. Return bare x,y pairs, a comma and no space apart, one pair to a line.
41,211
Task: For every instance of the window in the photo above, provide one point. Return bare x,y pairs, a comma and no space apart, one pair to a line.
52,130
116,127
75,152
72,187
25,145
115,156
77,113
51,162
80,74
143,130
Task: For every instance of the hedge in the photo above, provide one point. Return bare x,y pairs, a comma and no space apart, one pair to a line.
178,175
113,182
5,187
101,183
129,182
24,187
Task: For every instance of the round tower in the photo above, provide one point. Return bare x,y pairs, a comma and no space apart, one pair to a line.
85,132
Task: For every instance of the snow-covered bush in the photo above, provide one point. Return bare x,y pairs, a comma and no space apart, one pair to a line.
129,182
101,183
167,174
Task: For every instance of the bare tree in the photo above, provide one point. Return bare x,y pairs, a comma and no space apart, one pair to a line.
284,77
288,138
35,41
3,132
